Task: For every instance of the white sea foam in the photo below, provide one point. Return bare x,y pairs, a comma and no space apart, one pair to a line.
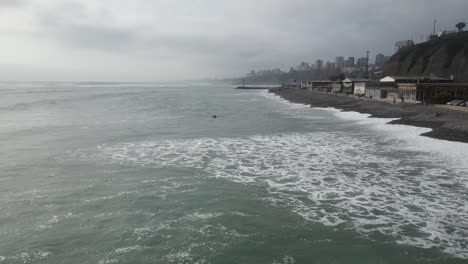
126,250
409,135
203,216
389,182
285,260
27,257
108,261
54,220
284,102
110,197
335,179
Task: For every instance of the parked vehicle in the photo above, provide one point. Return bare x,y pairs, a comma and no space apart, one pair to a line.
455,102
460,103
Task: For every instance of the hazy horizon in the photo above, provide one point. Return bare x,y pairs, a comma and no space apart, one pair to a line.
154,41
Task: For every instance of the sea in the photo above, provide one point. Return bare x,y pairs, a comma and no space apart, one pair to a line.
143,173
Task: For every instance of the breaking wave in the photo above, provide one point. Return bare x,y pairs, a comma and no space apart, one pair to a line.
410,194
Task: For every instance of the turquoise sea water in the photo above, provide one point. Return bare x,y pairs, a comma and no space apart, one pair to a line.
141,173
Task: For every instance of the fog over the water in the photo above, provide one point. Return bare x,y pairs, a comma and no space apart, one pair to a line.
143,40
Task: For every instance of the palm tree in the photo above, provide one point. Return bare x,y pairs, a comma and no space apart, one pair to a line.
460,26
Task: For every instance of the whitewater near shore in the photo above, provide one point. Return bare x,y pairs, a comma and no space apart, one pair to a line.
446,124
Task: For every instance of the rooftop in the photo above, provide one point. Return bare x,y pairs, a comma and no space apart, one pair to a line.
356,80
413,78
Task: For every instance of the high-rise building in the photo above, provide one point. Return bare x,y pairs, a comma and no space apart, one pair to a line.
350,62
339,62
361,62
304,66
379,59
319,64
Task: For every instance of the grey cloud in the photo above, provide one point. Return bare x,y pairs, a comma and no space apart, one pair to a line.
71,24
95,37
75,28
231,37
12,3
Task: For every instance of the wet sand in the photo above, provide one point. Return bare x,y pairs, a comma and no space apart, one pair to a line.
446,124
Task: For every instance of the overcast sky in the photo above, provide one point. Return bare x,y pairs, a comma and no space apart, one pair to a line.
155,40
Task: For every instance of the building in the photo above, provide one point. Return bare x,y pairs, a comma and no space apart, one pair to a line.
319,64
304,66
374,92
337,87
355,86
403,44
376,75
350,62
395,81
325,86
306,85
361,62
445,32
290,85
425,92
405,87
339,62
380,59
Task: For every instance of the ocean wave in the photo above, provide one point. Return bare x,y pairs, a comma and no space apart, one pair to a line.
27,257
412,194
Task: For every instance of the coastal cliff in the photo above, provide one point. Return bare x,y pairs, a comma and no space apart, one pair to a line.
443,57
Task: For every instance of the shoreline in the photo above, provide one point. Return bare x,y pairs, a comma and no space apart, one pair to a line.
446,124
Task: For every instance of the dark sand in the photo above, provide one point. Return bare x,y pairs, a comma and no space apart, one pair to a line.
447,124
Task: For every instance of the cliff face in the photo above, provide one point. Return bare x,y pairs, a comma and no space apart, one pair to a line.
442,57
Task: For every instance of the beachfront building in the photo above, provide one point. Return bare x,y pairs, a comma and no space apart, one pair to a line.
306,85
360,89
395,81
425,92
337,87
405,87
407,92
290,85
324,86
375,92
355,86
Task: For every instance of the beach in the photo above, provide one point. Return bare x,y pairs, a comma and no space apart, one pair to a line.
446,124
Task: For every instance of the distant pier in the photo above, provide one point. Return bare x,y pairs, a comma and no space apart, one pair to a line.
256,87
